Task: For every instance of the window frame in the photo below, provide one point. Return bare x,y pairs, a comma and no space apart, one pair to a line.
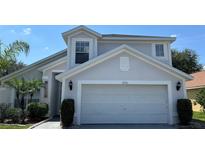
159,44
73,49
165,46
81,47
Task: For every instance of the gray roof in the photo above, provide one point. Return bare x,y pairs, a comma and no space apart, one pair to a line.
136,37
116,36
37,64
140,36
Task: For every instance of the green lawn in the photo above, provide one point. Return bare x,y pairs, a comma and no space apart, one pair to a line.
7,126
199,116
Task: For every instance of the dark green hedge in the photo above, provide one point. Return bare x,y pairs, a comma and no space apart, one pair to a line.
67,112
37,110
14,114
184,110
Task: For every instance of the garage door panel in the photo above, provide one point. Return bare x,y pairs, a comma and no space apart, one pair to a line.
103,119
124,104
122,108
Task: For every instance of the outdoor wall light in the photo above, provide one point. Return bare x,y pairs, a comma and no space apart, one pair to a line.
178,85
70,85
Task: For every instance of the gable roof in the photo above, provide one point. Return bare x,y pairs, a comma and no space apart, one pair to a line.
197,82
116,51
36,65
80,28
116,36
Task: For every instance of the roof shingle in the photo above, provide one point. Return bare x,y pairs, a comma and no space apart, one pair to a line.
197,82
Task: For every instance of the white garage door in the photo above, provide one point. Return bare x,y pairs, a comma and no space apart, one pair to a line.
124,104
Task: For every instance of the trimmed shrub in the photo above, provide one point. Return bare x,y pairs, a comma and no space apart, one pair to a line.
14,114
37,110
67,112
184,110
3,108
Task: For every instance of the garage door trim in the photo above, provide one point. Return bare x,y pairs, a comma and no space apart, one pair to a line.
121,82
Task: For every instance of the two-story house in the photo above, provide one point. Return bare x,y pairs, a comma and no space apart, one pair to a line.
112,78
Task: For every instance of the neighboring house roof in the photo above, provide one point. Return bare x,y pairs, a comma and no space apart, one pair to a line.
116,51
197,82
36,65
116,36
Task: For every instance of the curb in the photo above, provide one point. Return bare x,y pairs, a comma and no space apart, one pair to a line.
39,123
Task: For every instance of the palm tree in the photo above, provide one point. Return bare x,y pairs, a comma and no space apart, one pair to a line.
33,87
16,84
21,88
24,88
9,53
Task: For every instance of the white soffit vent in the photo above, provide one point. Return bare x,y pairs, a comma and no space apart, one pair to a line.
124,63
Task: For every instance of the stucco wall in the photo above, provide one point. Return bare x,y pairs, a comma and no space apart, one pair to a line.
144,47
7,95
30,75
52,90
139,70
71,46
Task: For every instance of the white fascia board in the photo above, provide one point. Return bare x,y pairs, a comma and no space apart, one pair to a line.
53,64
91,63
172,39
117,51
80,28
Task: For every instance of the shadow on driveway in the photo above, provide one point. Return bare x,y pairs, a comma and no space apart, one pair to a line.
55,124
124,126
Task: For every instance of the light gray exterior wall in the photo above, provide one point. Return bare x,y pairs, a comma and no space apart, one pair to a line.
50,74
145,47
103,47
71,47
99,46
32,74
7,95
56,68
139,70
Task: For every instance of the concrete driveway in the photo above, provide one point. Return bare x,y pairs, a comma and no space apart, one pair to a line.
51,124
55,124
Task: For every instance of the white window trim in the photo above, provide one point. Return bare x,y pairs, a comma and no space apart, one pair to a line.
165,57
128,82
73,47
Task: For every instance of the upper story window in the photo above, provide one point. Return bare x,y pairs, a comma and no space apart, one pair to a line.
81,51
159,48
